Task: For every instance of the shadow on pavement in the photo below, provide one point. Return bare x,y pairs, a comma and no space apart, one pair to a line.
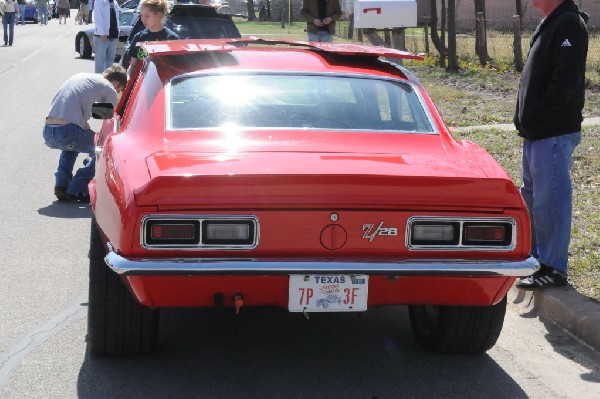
564,343
66,210
568,346
270,353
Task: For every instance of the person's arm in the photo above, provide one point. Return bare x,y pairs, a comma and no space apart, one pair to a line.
132,51
307,13
132,65
334,12
568,68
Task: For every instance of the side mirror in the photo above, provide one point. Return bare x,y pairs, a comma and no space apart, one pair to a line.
103,111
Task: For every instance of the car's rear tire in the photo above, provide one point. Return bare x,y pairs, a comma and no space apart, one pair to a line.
224,10
457,329
84,47
117,323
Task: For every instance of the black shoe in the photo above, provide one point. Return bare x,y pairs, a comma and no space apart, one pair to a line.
543,278
63,196
60,192
83,199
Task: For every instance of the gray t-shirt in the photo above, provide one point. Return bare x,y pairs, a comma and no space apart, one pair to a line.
75,97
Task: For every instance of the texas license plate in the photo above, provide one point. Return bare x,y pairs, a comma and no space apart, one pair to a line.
328,293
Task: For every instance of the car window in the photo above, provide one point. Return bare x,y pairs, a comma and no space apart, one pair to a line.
202,28
295,101
130,4
125,18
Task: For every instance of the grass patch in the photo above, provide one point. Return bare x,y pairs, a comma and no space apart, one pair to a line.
472,97
272,29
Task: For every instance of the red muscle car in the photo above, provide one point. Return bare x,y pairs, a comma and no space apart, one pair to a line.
246,172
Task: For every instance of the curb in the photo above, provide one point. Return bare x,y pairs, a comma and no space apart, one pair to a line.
509,127
577,314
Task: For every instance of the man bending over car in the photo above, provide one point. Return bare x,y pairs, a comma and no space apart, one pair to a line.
67,128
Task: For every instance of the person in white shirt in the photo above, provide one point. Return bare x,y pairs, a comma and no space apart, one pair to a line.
9,10
106,35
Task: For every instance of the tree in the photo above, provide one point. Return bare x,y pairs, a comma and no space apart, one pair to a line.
518,29
481,32
250,7
452,53
519,5
438,42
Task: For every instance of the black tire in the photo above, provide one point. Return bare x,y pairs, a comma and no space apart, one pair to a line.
117,323
457,329
83,46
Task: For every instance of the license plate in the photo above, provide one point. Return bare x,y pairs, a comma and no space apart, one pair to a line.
328,293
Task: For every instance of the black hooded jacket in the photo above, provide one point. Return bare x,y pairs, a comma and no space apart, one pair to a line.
552,87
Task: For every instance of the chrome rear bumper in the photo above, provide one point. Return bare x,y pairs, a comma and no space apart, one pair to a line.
278,266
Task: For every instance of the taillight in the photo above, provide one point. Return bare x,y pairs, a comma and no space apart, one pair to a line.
484,233
444,233
200,232
172,232
227,232
435,233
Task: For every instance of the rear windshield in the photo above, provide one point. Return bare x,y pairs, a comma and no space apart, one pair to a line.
294,101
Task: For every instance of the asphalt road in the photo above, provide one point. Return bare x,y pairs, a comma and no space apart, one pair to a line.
265,353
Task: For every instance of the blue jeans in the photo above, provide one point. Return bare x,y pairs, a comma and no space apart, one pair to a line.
548,193
72,140
43,12
22,13
320,36
8,24
104,53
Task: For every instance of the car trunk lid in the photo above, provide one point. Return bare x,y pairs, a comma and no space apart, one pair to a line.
317,179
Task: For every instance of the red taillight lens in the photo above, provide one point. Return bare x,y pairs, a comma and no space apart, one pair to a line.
173,232
484,233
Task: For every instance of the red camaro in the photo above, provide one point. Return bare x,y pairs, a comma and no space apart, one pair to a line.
311,176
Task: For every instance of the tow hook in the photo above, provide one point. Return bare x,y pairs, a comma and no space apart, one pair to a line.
238,301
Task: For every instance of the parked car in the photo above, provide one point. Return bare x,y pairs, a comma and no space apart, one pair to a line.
189,21
31,11
246,172
84,40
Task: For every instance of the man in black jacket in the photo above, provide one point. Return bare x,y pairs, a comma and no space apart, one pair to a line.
548,116
320,17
